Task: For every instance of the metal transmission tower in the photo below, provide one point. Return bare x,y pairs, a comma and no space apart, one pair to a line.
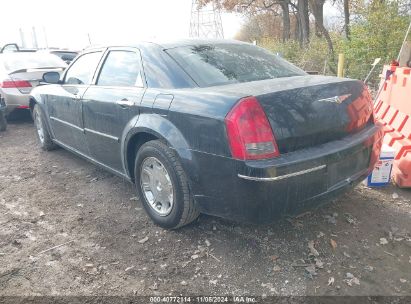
206,21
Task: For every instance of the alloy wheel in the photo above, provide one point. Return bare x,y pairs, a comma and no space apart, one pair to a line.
39,127
156,186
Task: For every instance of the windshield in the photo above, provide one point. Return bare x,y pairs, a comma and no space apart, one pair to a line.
18,61
216,64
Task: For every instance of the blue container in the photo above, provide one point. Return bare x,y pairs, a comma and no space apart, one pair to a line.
381,175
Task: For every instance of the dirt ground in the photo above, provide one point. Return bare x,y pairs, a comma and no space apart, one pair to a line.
360,244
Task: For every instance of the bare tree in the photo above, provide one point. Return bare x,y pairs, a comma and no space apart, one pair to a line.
347,18
317,8
286,20
253,7
304,21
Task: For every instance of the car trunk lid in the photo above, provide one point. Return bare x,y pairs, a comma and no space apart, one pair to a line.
306,111
30,78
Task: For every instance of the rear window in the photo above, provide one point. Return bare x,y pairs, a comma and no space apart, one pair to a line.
67,56
18,61
218,64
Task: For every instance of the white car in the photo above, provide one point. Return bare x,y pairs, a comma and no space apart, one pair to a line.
20,72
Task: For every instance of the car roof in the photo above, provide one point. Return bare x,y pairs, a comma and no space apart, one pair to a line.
56,51
4,57
24,54
167,44
183,42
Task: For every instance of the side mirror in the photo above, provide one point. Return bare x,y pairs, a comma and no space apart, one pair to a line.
51,77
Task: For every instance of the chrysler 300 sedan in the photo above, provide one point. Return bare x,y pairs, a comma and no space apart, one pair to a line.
216,127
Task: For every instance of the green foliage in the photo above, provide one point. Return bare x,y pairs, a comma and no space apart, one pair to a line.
377,32
313,57
378,35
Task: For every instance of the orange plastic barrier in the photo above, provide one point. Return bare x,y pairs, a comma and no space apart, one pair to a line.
393,109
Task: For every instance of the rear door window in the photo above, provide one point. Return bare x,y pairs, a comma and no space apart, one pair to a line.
82,70
121,68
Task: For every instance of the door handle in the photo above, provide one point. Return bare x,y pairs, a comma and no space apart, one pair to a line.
125,103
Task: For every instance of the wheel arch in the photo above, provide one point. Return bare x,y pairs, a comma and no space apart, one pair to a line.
155,127
133,145
37,100
32,103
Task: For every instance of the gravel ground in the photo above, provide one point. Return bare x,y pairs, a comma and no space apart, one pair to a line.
360,244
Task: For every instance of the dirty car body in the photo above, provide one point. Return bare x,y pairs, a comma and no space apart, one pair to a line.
256,137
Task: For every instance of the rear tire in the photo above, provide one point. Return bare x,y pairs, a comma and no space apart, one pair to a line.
163,187
43,135
3,122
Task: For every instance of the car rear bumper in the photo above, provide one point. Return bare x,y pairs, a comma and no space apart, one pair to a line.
15,100
260,191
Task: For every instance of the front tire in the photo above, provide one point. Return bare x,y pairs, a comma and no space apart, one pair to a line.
3,122
163,186
43,135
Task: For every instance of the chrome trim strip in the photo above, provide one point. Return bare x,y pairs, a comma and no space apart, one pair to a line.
276,178
102,134
67,123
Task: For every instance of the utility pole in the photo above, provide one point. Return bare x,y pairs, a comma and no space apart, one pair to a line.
206,21
22,38
45,37
35,44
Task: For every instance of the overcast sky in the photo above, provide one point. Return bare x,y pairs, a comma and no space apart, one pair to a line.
68,23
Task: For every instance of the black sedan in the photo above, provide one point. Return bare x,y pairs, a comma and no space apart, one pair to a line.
217,127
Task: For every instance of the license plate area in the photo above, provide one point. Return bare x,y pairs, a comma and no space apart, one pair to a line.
348,166
303,187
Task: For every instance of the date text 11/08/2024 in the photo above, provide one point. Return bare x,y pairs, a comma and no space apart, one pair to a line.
203,299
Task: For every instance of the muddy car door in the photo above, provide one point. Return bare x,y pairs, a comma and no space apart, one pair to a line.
64,105
111,103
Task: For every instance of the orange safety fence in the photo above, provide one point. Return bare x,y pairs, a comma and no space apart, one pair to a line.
393,109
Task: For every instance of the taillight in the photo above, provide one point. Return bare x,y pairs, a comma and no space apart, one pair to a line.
249,132
360,111
15,84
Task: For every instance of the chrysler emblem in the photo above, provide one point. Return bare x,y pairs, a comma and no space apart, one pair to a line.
336,99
